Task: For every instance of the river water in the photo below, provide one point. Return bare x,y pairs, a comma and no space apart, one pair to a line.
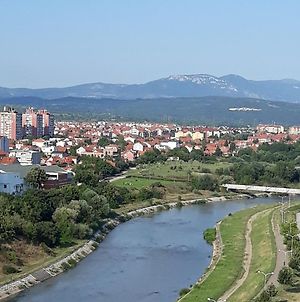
146,259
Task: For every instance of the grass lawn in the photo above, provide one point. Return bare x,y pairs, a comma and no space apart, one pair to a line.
263,257
138,183
177,169
229,268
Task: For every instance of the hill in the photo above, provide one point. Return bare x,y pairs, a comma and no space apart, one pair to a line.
203,110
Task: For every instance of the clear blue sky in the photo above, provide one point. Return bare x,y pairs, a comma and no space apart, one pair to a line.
63,42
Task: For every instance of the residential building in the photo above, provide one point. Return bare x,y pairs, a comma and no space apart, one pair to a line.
294,130
11,183
32,123
47,122
26,157
11,124
270,129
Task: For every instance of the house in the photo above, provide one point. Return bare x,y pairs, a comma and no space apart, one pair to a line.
197,135
138,147
129,156
12,177
39,143
270,129
11,183
169,145
111,150
27,157
294,130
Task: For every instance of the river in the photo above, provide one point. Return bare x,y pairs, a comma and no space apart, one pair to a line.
146,259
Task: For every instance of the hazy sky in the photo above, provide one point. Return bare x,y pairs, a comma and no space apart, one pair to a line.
64,42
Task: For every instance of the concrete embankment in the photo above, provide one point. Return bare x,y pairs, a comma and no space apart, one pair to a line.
71,260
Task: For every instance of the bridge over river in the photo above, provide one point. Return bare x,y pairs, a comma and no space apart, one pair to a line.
262,189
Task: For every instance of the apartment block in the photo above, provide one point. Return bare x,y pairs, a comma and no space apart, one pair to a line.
11,124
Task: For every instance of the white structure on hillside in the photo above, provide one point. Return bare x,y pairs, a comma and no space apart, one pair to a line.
170,145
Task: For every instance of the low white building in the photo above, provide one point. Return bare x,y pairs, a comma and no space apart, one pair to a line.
170,145
26,157
138,147
11,183
295,130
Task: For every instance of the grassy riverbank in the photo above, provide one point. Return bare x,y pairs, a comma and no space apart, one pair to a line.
33,257
263,257
229,267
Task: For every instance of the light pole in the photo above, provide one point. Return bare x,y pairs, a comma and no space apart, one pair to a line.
265,276
282,210
285,253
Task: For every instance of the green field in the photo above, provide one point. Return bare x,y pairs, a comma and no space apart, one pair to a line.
177,169
139,182
229,267
263,257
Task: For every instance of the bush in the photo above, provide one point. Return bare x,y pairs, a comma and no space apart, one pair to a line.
9,269
204,182
72,263
285,276
65,266
184,291
47,249
210,235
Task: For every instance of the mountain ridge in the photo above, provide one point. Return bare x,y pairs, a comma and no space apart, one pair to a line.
182,85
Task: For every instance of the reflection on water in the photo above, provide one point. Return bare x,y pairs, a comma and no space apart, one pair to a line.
146,259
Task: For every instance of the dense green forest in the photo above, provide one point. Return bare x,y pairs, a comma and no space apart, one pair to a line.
198,110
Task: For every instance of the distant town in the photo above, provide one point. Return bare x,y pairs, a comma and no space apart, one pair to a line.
33,138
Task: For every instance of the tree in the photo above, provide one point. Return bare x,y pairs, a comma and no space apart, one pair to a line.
218,152
204,182
99,203
47,232
64,219
103,141
285,276
232,147
36,177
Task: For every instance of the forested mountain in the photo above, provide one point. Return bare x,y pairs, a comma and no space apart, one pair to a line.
197,85
203,110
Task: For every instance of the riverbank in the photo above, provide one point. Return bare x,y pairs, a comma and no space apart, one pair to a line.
229,268
61,265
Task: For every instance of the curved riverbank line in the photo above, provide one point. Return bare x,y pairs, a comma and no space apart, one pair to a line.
230,266
59,265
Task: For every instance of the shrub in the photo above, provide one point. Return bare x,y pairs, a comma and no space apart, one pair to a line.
9,269
184,291
210,235
204,182
72,263
65,266
285,276
47,249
